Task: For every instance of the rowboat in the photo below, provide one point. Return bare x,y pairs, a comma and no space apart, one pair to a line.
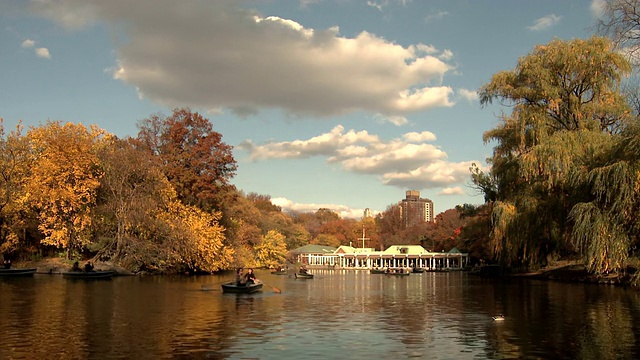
377,271
280,272
17,272
398,273
88,275
233,287
418,270
303,276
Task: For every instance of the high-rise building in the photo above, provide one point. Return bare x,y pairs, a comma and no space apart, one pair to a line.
415,210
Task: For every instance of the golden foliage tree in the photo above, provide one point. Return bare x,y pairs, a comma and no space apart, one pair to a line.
15,164
64,180
272,251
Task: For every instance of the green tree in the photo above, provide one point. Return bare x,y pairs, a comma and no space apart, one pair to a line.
566,105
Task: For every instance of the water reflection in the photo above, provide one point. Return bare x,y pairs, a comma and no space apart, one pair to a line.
338,314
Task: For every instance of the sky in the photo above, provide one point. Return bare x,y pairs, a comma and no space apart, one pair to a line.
339,104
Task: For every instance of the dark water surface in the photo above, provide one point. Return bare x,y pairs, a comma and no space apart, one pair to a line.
341,314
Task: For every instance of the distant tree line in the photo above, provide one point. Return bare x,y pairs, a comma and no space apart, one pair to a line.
564,180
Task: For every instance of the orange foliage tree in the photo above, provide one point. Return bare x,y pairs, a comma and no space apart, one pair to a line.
63,182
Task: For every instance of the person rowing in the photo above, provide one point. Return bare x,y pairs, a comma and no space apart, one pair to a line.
250,277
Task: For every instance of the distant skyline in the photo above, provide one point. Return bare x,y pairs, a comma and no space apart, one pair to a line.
333,104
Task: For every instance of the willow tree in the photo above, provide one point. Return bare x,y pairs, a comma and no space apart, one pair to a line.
566,109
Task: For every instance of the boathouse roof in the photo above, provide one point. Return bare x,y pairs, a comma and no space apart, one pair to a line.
344,249
405,250
314,249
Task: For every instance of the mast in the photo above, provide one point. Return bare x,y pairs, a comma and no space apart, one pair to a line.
363,238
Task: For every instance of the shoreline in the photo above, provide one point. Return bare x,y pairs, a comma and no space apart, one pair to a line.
574,272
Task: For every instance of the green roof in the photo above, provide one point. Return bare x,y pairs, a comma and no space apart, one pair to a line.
314,249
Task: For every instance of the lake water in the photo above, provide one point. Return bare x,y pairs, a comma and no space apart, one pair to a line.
340,314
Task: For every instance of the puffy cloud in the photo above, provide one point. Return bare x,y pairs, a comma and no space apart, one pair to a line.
433,175
344,211
457,190
212,54
419,137
40,52
469,95
28,43
408,162
545,22
325,144
43,53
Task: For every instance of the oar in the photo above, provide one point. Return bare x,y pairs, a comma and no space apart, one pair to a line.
205,287
275,289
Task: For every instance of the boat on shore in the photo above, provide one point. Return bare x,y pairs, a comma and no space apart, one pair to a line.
303,276
88,274
18,272
233,287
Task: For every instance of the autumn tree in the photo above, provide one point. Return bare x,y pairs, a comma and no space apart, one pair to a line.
64,179
130,188
272,251
15,164
390,225
194,239
566,107
196,161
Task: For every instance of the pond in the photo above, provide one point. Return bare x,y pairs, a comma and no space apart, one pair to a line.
340,314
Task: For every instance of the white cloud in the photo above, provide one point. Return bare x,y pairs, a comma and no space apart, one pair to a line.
43,53
457,190
28,43
40,52
396,120
545,22
211,54
344,211
433,175
470,95
409,162
438,15
597,8
415,137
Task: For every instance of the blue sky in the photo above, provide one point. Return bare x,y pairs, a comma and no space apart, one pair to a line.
342,104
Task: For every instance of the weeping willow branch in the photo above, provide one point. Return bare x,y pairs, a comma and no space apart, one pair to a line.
603,243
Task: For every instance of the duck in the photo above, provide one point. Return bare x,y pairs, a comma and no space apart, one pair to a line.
498,318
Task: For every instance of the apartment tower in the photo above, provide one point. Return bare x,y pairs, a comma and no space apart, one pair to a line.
416,210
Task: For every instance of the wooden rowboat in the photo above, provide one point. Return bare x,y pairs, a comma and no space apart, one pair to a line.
88,275
18,272
233,287
280,272
303,276
377,271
